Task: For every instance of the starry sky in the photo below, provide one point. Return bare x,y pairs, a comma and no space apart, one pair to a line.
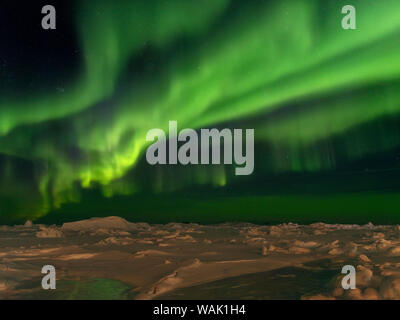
76,104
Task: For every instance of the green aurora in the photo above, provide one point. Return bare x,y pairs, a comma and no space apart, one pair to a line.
324,103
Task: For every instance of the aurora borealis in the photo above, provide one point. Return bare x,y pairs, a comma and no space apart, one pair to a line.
75,107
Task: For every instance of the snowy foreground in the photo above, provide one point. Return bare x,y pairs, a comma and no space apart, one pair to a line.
114,259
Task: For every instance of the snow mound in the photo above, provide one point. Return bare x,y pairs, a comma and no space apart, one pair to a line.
108,223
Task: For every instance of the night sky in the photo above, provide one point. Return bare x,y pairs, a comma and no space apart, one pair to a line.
76,104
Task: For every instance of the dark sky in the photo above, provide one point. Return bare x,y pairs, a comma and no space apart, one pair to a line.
76,103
